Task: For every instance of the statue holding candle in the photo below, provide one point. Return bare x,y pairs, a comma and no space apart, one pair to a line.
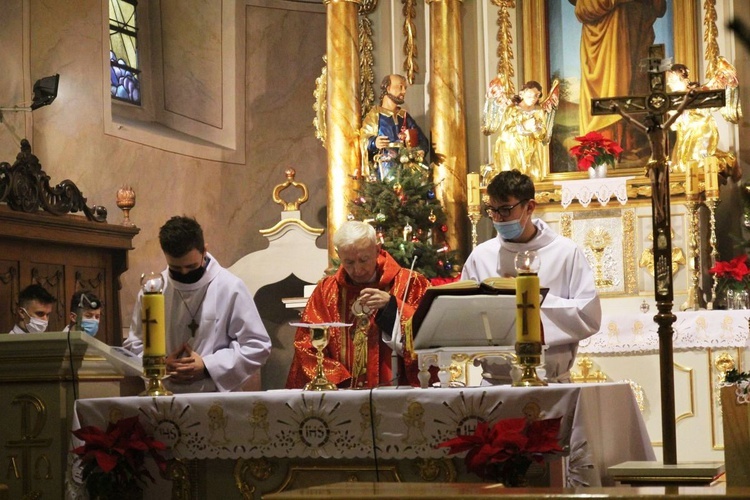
208,326
571,310
697,134
524,122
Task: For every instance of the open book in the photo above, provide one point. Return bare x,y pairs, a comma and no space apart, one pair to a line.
467,314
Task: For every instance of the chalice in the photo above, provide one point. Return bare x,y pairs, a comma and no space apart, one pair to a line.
125,202
319,336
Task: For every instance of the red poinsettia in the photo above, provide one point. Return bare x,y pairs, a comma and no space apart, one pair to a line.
594,149
734,274
504,448
115,459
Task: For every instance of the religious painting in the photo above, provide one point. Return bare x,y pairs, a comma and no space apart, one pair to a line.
607,238
597,51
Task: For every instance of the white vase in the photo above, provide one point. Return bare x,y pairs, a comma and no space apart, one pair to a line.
601,170
592,172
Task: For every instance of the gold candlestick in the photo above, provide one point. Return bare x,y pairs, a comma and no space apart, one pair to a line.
711,203
529,356
474,218
695,298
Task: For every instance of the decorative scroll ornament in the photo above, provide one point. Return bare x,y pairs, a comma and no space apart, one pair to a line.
366,58
410,32
24,186
319,106
505,42
710,35
294,205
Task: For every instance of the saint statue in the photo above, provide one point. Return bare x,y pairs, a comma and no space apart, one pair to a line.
525,126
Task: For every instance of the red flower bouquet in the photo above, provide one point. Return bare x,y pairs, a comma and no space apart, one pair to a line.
505,451
732,275
113,461
595,149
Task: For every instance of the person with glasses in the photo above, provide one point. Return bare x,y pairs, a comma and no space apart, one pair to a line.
34,308
571,310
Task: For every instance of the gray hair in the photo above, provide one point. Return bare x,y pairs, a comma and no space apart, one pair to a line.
354,233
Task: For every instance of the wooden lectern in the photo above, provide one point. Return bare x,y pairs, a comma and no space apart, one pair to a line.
40,376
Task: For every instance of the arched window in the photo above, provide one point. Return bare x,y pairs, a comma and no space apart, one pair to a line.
123,51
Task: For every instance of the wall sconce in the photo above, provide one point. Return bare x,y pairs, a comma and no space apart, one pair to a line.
45,91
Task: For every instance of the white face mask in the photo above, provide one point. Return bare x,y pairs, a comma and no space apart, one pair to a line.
35,325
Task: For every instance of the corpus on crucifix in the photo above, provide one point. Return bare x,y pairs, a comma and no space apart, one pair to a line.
657,105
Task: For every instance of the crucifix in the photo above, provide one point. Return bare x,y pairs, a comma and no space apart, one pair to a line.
656,106
147,322
524,320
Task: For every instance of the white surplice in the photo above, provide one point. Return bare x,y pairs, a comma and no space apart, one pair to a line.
571,311
231,337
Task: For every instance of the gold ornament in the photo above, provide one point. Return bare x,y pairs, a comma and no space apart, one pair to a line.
432,217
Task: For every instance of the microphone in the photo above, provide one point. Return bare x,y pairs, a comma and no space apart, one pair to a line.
396,337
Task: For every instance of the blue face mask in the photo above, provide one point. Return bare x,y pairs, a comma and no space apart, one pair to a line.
90,326
508,230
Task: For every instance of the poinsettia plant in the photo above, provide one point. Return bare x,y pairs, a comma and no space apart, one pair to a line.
504,451
731,275
595,149
114,460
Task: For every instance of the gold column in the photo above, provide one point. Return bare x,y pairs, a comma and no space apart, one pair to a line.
448,117
343,117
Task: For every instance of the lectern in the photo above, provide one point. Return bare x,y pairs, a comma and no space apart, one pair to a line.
41,374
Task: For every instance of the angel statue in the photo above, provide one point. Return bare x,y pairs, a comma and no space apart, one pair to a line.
697,134
525,126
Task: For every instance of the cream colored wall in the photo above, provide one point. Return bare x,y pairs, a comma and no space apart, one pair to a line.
283,51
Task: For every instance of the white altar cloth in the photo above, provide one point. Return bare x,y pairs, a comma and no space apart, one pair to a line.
601,423
637,333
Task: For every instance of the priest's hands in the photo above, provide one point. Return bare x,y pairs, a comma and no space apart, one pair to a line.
185,366
374,298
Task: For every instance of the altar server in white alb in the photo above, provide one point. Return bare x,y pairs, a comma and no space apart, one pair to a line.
571,310
215,337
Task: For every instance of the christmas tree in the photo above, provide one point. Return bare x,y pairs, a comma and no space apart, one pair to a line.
402,206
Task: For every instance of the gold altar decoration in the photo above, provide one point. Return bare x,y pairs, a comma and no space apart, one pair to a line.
319,106
505,42
695,298
448,117
343,112
366,58
647,257
126,201
598,240
154,335
410,47
294,205
474,202
587,375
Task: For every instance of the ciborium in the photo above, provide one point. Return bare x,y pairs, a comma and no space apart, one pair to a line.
126,202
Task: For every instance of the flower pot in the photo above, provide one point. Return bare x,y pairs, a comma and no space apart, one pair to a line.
601,170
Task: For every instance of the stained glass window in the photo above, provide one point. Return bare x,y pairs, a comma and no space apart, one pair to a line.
123,51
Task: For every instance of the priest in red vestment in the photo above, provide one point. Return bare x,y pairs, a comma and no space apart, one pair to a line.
368,292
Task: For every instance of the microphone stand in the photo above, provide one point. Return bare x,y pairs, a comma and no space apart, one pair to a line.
396,337
79,314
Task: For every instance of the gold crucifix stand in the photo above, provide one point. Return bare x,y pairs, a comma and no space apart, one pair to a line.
655,106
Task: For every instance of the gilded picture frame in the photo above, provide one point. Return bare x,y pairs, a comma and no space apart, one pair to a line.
536,66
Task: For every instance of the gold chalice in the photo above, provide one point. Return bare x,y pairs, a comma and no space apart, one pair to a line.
319,336
125,202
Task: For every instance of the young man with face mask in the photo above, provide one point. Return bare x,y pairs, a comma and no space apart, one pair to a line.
90,307
34,307
571,310
215,337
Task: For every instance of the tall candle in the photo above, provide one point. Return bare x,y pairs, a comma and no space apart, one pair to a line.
152,317
691,178
711,172
472,187
528,317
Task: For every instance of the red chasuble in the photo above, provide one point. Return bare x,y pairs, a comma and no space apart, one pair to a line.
331,301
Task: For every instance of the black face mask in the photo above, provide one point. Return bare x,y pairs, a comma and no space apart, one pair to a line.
190,276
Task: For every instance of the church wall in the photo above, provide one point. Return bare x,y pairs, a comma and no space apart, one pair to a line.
283,47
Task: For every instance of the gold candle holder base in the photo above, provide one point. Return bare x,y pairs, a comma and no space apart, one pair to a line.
155,371
529,356
319,338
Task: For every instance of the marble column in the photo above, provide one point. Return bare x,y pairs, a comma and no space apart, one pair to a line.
448,117
343,115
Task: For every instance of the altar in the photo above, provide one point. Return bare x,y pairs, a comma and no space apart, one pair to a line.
272,441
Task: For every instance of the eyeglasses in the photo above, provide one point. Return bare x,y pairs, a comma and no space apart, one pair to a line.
501,211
